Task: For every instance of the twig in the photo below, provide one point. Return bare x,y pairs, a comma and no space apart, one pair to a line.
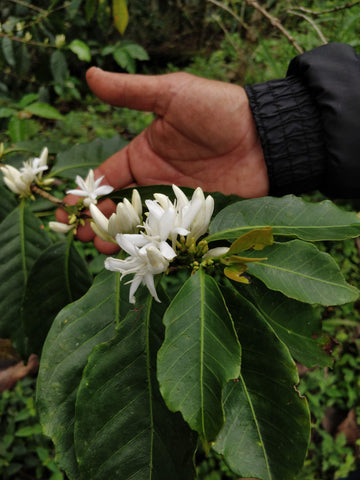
47,195
312,23
227,9
330,10
27,42
30,6
275,22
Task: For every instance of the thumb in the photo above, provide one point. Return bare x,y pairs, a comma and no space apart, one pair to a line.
151,93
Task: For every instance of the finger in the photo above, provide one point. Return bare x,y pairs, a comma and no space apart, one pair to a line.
85,233
150,93
116,170
106,247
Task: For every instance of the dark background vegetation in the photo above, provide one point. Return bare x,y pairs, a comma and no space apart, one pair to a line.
45,49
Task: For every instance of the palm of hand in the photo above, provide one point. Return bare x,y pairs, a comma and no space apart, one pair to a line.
203,135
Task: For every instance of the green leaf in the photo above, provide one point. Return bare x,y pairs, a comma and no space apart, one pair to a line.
59,68
90,9
80,49
61,275
300,271
289,216
267,424
123,429
22,239
136,51
7,202
120,15
122,58
295,323
44,110
256,239
8,51
18,130
27,99
199,355
80,158
6,112
75,331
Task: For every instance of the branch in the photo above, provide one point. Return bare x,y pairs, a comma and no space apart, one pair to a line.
30,6
47,195
27,42
312,23
330,10
275,22
227,9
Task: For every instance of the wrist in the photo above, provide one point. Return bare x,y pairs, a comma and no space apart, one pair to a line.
290,131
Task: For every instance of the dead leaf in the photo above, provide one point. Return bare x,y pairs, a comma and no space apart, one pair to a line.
11,375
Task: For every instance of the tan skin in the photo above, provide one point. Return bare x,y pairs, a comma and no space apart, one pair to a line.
203,135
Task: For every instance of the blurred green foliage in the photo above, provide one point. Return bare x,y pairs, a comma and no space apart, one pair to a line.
24,451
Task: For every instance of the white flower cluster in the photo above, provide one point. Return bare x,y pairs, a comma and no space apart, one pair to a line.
154,245
19,181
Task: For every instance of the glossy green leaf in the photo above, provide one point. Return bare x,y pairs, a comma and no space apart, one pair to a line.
121,15
80,158
80,49
289,216
300,271
123,429
267,425
60,276
295,323
76,330
199,355
7,202
22,240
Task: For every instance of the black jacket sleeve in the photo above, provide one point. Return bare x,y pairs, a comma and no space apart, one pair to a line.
309,123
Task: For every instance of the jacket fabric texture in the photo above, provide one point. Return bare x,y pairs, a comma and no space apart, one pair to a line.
309,123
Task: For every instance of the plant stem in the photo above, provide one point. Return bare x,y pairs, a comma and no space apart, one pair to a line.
47,195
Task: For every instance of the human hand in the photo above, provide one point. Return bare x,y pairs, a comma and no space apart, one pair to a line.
204,134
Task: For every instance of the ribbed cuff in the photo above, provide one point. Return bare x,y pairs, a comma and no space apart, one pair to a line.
291,135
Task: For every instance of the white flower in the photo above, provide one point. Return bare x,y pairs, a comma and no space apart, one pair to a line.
90,188
145,260
162,224
14,181
19,181
34,167
60,227
195,214
126,219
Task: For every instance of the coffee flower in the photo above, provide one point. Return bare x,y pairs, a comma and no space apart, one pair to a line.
90,188
152,250
191,215
127,218
60,227
19,181
145,260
